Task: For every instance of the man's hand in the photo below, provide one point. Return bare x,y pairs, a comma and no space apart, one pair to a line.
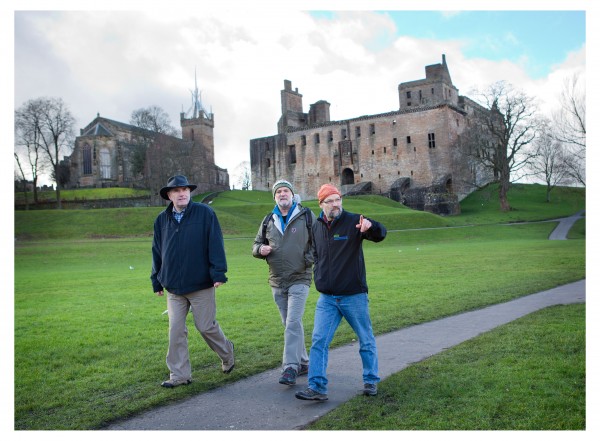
217,284
364,224
265,250
159,293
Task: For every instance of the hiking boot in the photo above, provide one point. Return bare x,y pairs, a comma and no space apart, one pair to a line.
175,383
288,377
228,367
309,394
370,389
303,369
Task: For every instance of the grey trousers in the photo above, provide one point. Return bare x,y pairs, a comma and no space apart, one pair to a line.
204,311
291,303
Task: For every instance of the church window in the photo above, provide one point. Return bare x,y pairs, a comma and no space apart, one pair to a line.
87,160
105,164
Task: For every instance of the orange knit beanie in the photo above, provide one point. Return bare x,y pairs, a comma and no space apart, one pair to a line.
327,190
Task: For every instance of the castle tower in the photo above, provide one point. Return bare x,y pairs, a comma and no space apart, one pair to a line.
436,88
292,114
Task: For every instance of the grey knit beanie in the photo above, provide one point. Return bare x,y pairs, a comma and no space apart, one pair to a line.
282,183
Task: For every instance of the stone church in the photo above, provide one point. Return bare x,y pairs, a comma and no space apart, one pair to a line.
410,155
110,153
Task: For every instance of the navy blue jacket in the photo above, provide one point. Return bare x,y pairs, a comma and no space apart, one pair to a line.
187,256
339,266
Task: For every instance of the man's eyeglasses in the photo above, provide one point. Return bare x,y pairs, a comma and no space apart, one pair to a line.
332,201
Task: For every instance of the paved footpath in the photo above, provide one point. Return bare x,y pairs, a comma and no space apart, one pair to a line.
261,403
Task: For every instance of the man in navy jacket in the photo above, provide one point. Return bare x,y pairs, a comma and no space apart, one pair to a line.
340,277
188,261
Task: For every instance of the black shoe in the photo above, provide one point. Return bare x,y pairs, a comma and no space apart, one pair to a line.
310,394
288,377
370,389
303,369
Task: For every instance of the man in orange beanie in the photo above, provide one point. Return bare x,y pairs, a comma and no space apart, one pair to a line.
340,278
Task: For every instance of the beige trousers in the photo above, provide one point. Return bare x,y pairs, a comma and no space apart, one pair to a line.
204,310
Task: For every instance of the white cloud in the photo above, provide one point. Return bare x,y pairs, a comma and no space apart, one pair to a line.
115,62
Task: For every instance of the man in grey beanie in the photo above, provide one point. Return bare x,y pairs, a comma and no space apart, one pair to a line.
284,240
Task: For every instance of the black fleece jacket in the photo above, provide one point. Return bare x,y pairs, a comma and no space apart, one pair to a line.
339,266
187,256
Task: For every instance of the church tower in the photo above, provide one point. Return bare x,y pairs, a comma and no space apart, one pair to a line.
198,127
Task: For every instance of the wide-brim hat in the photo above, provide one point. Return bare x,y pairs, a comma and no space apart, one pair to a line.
174,182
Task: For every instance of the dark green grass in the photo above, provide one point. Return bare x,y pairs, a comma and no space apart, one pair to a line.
90,336
526,375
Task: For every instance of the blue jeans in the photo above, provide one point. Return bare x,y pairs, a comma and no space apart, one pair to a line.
328,315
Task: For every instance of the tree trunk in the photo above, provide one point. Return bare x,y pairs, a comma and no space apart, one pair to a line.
503,195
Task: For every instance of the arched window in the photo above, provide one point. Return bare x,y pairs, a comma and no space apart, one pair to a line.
105,164
87,160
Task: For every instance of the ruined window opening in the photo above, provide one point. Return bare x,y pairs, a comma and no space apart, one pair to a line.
395,142
317,138
384,149
268,162
292,154
357,131
330,136
408,139
303,138
344,135
372,129
431,140
408,94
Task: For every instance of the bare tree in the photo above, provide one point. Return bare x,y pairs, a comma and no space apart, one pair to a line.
21,177
27,143
569,126
499,138
243,176
45,126
550,163
153,118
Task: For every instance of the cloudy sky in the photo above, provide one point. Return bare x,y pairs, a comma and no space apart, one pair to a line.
122,58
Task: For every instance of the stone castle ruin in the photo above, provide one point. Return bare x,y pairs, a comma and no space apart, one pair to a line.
410,155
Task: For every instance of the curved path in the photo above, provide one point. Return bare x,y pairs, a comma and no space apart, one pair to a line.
261,403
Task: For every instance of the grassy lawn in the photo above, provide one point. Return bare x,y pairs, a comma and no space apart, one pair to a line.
526,375
91,337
